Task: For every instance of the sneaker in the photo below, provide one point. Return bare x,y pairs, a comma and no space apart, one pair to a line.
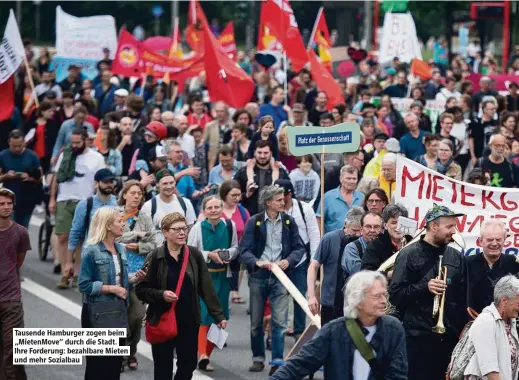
63,283
74,282
257,367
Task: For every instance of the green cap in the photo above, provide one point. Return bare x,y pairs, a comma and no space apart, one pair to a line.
438,211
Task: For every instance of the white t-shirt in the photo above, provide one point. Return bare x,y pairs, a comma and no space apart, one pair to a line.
361,367
164,209
82,186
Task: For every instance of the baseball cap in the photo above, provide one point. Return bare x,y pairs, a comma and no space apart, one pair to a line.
286,184
157,152
104,175
163,173
390,71
121,92
438,211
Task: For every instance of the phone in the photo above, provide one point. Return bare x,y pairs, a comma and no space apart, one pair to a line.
145,266
224,254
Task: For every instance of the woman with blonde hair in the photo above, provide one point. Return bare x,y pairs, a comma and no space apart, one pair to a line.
158,287
217,239
104,283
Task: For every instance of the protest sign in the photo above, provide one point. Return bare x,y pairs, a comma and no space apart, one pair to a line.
399,38
340,138
419,187
60,66
84,37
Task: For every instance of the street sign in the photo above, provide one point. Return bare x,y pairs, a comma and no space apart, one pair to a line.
157,11
340,138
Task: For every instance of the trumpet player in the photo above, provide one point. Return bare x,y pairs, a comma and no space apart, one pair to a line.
485,270
417,289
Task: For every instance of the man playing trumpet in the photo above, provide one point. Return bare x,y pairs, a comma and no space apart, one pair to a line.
429,275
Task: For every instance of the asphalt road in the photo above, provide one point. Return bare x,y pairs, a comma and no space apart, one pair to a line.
46,306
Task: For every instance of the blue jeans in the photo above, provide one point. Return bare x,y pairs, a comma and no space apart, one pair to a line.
263,285
298,277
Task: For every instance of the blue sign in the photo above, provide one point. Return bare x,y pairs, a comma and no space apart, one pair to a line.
60,66
323,139
157,11
341,138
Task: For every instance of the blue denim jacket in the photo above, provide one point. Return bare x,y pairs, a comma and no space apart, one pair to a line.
98,269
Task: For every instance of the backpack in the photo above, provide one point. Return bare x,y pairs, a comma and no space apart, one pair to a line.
154,206
89,205
243,213
228,224
461,355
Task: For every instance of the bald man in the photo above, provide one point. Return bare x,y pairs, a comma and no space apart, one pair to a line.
502,172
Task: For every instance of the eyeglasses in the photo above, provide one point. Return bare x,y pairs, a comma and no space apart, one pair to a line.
178,230
374,228
379,296
374,201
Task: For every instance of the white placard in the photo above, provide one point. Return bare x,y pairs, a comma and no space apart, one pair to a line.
84,37
11,49
406,225
217,336
399,38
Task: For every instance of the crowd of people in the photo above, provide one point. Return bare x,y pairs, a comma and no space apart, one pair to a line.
141,178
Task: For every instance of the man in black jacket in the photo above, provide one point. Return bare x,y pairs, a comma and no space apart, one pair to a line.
487,268
414,287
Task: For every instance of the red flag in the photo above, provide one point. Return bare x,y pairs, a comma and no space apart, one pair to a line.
196,21
421,69
321,37
226,39
225,80
325,81
278,16
7,96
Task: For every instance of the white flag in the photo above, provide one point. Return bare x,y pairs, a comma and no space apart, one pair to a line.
399,38
11,49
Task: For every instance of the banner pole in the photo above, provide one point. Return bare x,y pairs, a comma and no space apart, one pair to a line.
31,81
321,269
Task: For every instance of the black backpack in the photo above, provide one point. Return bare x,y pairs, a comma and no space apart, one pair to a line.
89,205
154,206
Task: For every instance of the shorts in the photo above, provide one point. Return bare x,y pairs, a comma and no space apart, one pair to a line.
64,215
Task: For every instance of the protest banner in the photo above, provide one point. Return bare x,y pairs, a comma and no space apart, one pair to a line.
433,108
60,66
133,59
84,37
399,38
419,187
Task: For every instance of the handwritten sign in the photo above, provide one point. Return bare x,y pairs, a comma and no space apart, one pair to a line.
419,187
84,37
399,38
406,226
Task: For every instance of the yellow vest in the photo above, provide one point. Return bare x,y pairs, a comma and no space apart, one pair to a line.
388,187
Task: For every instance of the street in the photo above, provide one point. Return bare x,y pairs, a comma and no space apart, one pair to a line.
46,306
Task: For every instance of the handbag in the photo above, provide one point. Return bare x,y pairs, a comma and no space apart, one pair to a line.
167,329
461,355
109,314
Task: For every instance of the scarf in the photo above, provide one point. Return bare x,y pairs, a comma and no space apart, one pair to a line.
67,168
442,169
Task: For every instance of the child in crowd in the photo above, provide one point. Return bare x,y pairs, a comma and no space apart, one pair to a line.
305,180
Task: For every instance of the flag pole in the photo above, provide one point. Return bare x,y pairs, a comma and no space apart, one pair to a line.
31,81
315,27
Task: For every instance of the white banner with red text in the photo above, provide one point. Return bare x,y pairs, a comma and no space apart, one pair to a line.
419,187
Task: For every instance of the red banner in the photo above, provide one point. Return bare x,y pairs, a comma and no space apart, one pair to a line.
132,59
226,39
500,81
321,38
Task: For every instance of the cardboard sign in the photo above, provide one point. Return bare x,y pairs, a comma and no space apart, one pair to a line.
399,38
406,225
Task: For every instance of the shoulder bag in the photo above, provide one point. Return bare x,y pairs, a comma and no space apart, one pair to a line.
364,347
167,329
109,314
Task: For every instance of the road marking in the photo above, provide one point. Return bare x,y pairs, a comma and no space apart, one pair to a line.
36,221
74,310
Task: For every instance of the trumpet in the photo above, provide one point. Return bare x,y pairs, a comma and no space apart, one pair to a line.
439,301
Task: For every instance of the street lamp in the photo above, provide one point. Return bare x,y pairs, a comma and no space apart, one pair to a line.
37,3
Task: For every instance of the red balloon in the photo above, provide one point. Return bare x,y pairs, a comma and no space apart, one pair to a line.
346,69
